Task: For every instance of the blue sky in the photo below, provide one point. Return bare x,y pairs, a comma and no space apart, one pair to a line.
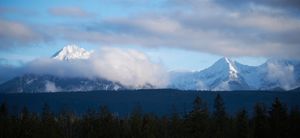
180,34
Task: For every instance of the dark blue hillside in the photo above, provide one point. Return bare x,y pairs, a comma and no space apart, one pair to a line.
160,102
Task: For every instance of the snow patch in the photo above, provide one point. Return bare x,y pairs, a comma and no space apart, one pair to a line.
232,68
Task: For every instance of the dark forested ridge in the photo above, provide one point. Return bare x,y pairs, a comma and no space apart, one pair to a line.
276,121
160,102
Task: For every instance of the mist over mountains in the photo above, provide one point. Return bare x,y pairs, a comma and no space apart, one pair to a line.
74,69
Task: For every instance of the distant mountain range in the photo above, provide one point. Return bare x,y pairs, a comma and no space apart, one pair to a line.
225,74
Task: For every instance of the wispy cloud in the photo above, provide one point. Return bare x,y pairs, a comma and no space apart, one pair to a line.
69,12
229,36
15,34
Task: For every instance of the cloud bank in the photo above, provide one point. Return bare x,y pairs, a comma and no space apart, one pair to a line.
129,67
264,28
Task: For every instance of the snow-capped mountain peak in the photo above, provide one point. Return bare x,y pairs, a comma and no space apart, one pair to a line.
71,52
226,65
226,74
222,75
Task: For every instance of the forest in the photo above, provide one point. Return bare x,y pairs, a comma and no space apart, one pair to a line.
276,121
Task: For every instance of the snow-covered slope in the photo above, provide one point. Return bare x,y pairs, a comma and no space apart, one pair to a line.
222,75
226,74
71,52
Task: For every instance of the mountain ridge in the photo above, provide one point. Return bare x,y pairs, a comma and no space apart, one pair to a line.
224,75
33,83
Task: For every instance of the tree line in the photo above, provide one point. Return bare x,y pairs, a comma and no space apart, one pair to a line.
277,122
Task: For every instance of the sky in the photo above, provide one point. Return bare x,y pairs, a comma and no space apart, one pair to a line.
179,34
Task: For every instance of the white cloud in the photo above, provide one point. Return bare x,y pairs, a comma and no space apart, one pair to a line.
283,74
129,67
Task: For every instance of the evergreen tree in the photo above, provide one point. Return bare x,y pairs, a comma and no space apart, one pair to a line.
49,127
219,108
176,125
197,120
136,123
150,126
108,123
3,110
197,123
25,130
47,115
4,121
242,124
66,120
219,117
90,124
260,121
163,125
278,119
294,123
